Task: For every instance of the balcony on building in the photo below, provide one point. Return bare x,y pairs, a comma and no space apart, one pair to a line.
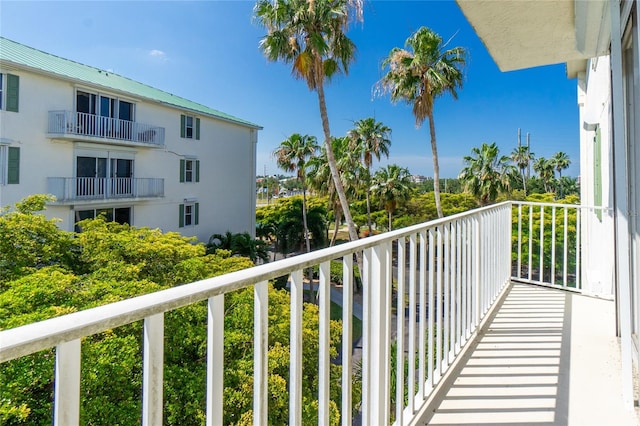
90,127
477,318
69,190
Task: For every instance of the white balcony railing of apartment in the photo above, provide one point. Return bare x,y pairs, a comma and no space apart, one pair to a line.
445,275
69,123
89,188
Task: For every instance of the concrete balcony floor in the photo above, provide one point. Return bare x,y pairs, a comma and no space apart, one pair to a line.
547,357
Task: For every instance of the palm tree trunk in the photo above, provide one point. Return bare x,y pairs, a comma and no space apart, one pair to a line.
314,294
337,182
338,214
390,221
353,234
436,166
524,182
369,210
304,219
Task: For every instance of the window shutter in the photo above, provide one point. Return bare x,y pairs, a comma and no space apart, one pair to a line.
181,220
196,214
597,173
183,126
182,166
13,166
197,170
13,92
197,129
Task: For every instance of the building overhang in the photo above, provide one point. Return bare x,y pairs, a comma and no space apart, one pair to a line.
531,33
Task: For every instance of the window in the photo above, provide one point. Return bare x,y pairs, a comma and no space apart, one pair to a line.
120,215
103,105
9,92
9,165
189,127
189,213
189,170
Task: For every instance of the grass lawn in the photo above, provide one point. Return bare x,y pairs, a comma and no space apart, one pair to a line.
336,314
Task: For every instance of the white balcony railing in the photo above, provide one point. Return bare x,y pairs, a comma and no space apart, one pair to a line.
69,123
448,273
88,188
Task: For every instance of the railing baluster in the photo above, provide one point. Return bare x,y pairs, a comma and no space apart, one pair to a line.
347,339
439,271
215,360
379,340
530,276
324,344
366,334
578,251
401,244
430,307
519,241
464,318
565,245
552,278
411,378
152,367
260,348
458,299
422,317
446,344
66,409
295,360
541,261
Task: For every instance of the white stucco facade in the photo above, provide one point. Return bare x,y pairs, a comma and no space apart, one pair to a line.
145,181
594,102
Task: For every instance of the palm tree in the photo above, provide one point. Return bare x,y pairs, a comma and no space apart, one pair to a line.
486,173
319,177
369,138
560,161
546,172
310,35
420,74
242,244
522,157
392,185
292,156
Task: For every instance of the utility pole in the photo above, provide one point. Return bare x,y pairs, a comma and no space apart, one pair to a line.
529,160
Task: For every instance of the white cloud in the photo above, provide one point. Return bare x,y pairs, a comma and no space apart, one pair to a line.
158,54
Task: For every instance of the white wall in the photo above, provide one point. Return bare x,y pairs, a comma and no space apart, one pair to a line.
594,88
225,193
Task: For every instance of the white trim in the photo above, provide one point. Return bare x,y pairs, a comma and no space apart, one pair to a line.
621,205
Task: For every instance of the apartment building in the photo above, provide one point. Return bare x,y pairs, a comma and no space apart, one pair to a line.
102,143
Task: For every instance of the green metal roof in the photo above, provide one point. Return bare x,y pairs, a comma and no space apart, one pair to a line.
25,56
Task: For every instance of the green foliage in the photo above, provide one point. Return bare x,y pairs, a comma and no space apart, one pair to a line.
542,218
113,262
31,241
240,244
283,220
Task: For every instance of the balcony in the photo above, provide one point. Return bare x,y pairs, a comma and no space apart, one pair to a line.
477,343
93,128
80,189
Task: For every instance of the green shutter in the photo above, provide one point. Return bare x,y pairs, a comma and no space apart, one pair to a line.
182,166
597,172
197,170
183,126
181,220
196,213
13,92
13,169
197,129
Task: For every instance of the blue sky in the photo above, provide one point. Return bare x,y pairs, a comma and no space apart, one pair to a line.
208,52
